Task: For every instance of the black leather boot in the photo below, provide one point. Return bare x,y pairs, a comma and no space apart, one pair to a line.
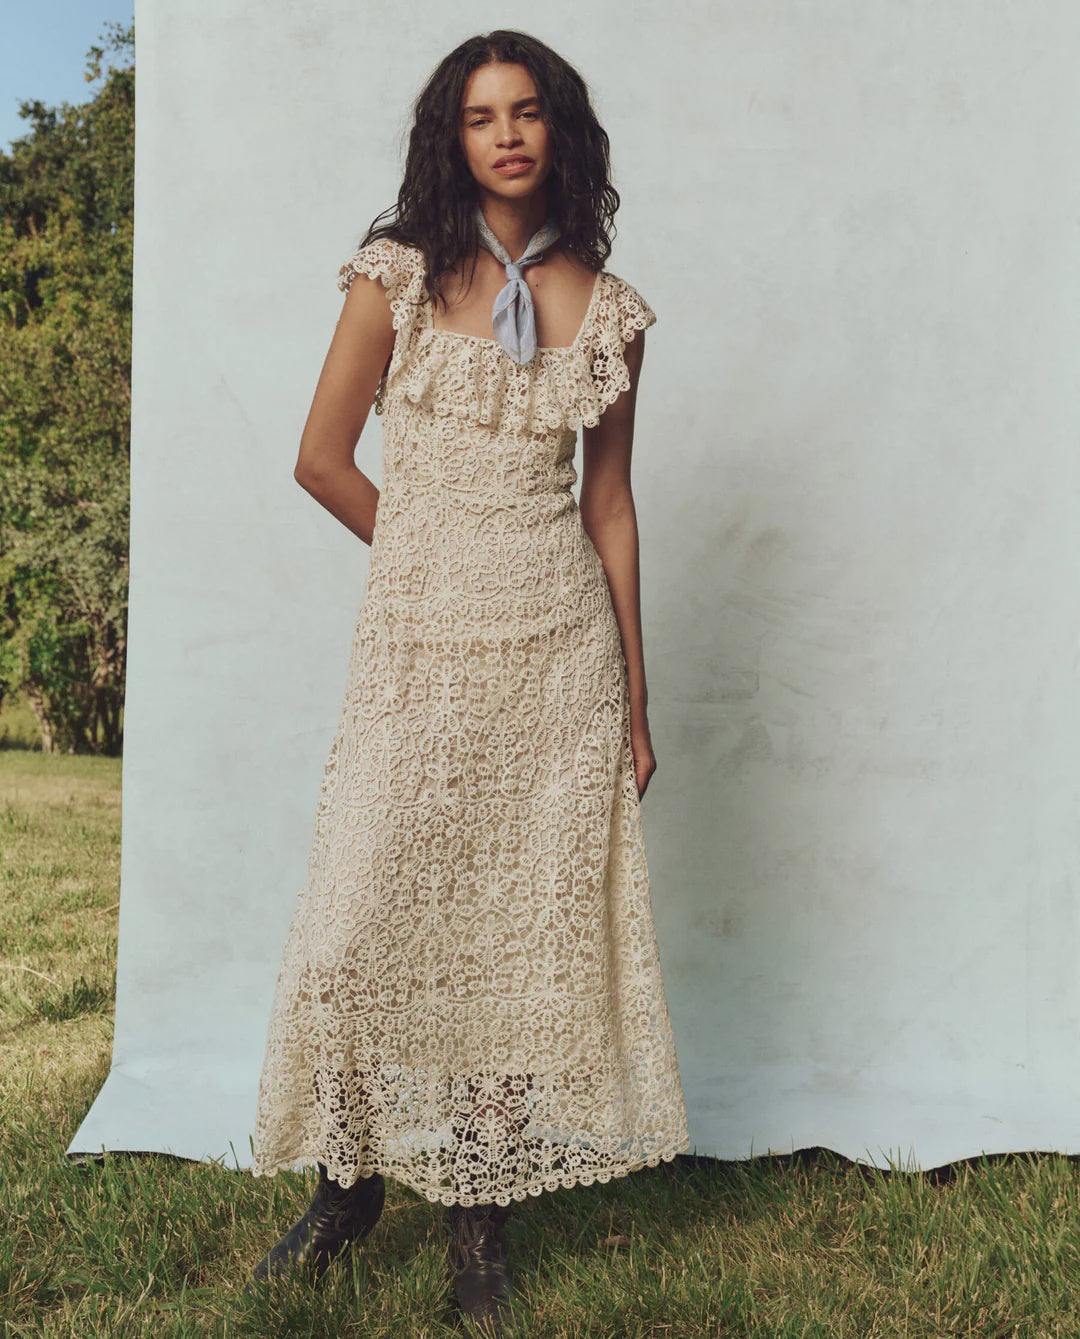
334,1219
479,1266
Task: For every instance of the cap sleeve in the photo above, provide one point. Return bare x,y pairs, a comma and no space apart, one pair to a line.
400,268
633,312
623,312
393,263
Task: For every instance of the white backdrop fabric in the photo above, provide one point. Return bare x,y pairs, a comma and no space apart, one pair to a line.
856,472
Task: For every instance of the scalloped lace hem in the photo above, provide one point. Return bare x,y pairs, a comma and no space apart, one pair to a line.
533,1188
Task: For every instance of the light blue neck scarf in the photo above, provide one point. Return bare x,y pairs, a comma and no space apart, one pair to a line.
513,318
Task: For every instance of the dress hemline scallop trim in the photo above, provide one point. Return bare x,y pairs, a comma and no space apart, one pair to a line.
519,1194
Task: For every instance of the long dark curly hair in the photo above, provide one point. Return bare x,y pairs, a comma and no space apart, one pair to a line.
436,204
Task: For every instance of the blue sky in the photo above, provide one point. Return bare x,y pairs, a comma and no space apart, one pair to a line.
43,54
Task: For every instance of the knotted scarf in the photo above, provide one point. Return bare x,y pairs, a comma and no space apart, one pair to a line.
513,317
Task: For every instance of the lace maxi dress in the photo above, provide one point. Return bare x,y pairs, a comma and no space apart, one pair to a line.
470,998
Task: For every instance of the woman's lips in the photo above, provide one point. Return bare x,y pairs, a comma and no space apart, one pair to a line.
511,169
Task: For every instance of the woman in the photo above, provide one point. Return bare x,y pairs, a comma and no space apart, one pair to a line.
470,997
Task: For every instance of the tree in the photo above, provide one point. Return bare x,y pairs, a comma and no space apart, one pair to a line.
66,227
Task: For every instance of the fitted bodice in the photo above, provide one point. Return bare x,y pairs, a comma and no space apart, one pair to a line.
478,456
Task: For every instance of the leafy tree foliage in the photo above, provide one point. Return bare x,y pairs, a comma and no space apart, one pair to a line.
66,218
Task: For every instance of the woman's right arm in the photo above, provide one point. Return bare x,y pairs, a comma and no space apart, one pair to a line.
325,468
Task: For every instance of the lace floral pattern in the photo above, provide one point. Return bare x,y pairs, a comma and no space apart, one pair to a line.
470,997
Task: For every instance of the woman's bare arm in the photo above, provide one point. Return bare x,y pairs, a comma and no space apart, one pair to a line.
610,519
325,468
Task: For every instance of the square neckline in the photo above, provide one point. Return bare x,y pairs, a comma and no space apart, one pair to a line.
430,328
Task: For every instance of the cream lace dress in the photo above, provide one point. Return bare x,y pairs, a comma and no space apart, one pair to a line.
470,998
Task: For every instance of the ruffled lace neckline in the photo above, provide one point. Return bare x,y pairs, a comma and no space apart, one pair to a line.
473,378
428,330
447,374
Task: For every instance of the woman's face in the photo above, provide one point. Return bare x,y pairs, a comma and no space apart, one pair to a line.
500,119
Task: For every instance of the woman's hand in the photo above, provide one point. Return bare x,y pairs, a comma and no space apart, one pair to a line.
644,757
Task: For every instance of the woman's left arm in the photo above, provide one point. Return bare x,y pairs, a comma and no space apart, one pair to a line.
610,520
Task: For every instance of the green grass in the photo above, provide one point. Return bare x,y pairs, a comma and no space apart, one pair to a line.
151,1246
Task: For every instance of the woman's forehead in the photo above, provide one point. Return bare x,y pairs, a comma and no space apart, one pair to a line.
498,83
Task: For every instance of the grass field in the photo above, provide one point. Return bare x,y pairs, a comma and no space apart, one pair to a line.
151,1246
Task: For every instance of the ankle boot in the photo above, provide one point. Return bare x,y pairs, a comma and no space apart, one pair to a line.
478,1257
334,1219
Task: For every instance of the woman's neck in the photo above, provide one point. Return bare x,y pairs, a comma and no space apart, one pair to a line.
514,221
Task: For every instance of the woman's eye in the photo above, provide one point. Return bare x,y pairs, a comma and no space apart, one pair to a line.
474,125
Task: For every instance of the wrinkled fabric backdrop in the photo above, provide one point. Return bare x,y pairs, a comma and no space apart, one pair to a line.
856,469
